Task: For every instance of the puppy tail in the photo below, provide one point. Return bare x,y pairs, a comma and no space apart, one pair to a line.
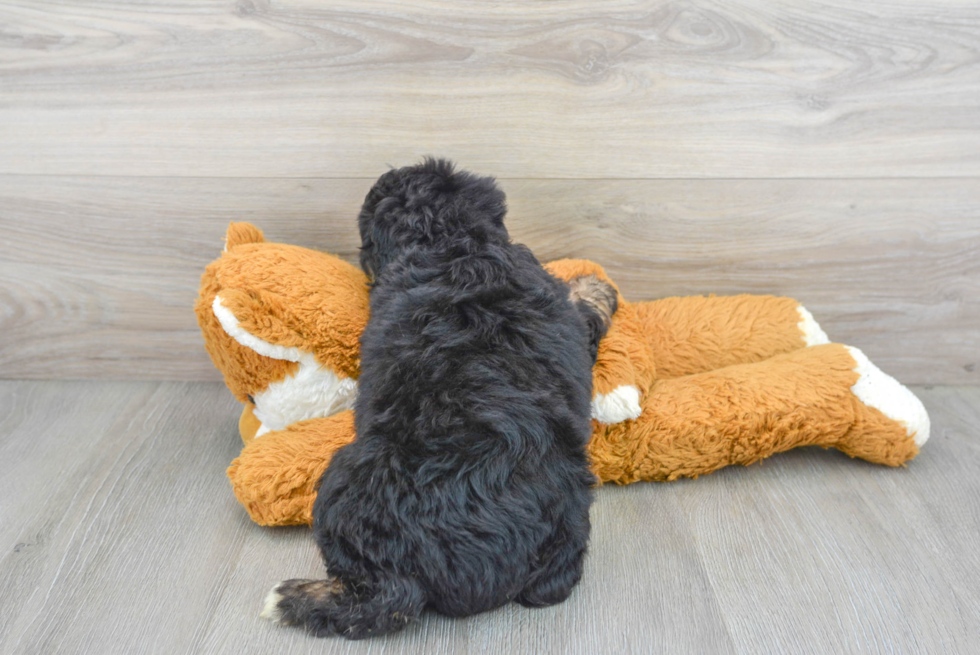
328,607
596,302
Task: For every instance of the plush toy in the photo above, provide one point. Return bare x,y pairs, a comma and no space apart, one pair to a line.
682,386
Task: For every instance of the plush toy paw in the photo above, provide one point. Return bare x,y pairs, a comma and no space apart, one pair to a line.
813,334
877,389
620,404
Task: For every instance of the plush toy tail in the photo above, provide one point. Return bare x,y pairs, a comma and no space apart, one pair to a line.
328,607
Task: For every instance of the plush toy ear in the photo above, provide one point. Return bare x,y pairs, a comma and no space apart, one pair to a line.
242,233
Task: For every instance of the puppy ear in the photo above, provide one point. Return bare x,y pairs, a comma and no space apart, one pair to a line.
496,204
379,236
370,253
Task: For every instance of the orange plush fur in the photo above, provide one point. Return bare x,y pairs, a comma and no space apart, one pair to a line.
682,386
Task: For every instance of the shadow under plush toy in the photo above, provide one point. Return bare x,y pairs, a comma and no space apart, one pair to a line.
682,386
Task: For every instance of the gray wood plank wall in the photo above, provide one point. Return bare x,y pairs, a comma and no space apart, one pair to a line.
828,151
575,88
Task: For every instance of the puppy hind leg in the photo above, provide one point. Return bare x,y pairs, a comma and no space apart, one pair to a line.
561,562
555,581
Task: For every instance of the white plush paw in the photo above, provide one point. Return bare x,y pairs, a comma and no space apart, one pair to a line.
620,404
877,389
813,334
270,608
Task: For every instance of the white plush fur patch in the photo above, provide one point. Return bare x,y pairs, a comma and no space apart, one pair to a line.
620,404
313,391
813,334
877,389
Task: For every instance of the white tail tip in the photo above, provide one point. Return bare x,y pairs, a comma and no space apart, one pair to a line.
270,608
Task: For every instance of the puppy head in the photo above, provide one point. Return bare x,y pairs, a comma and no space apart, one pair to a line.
425,205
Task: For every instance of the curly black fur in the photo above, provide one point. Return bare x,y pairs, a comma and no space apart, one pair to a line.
468,485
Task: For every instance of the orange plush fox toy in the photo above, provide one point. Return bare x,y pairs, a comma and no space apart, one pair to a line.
682,386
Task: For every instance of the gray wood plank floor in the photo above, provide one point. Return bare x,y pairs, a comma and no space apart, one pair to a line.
119,534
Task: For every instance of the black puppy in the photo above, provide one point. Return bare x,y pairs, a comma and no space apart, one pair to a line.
468,485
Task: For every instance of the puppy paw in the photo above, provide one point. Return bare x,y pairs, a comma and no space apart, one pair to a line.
596,302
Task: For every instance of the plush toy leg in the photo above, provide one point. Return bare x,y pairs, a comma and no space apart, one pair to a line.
828,396
697,334
248,424
890,398
276,476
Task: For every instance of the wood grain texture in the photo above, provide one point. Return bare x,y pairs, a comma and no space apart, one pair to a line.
627,132
848,557
119,534
573,89
99,274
